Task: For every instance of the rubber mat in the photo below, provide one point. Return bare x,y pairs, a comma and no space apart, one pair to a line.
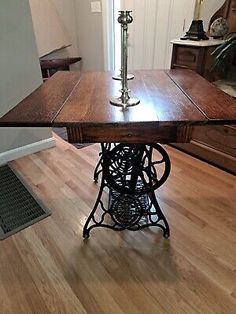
18,208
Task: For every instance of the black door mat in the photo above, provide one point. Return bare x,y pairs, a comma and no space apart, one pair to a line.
18,208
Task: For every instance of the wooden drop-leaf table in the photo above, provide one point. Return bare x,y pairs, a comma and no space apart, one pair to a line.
171,103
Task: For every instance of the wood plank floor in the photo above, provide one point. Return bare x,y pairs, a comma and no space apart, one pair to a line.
48,268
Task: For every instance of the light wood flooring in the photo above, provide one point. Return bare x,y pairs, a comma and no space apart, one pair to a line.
48,268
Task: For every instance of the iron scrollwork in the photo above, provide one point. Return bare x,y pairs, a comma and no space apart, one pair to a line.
130,176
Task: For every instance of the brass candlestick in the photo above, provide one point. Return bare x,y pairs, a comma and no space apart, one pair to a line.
124,100
119,76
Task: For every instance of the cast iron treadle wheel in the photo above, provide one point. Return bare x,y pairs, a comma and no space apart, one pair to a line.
132,177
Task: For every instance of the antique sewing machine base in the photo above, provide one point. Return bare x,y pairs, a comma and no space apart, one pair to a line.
130,177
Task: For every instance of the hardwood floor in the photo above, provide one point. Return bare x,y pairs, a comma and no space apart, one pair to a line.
48,268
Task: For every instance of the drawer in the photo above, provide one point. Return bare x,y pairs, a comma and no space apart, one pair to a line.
129,133
187,56
222,138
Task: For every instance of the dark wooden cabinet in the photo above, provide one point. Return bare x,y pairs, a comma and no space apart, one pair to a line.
194,55
215,144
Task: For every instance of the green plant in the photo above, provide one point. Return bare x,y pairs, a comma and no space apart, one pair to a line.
223,56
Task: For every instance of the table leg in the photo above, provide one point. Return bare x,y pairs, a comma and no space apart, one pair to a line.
130,176
98,168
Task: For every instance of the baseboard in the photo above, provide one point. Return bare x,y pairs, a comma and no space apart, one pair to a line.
26,150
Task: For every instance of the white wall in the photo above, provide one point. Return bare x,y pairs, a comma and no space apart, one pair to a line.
63,14
50,33
81,28
19,68
66,11
84,29
90,36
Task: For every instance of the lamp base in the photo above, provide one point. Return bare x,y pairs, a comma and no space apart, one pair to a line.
195,32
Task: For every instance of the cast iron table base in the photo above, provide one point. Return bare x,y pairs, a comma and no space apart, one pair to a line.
130,176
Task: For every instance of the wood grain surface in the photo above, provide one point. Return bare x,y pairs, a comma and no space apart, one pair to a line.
161,101
41,107
216,105
49,268
173,97
129,133
171,102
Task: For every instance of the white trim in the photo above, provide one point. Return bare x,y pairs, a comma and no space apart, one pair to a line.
26,150
108,50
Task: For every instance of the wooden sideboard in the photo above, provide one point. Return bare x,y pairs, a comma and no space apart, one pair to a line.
194,55
214,144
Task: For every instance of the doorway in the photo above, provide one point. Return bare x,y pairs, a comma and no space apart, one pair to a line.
156,23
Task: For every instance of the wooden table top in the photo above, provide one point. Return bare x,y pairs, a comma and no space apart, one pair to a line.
168,98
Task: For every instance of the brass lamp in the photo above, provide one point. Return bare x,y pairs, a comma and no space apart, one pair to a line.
197,11
196,31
